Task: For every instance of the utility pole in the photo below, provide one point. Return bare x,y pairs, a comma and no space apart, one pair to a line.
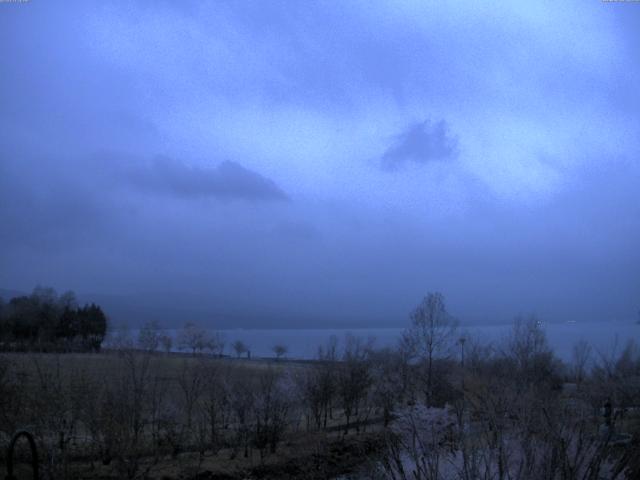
462,340
462,415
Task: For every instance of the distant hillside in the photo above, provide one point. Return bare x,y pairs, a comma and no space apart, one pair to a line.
174,310
134,311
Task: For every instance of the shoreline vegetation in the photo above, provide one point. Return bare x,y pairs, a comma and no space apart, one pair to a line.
437,405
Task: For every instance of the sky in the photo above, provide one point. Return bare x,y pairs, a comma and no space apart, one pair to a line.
327,163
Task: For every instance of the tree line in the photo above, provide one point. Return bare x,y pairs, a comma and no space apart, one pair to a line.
45,321
440,404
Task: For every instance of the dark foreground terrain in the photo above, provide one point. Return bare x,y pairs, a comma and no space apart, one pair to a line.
506,411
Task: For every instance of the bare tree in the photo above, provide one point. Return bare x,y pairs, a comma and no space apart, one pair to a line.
166,342
431,334
280,350
329,352
11,390
271,406
215,404
317,385
215,344
149,336
419,444
581,356
354,378
123,413
191,381
533,358
387,381
193,338
240,348
241,392
310,395
53,416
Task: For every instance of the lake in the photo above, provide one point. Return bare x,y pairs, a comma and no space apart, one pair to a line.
303,343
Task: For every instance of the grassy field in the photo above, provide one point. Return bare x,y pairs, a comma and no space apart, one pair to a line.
141,415
58,394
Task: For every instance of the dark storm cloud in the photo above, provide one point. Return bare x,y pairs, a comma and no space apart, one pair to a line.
228,180
421,142
301,96
52,203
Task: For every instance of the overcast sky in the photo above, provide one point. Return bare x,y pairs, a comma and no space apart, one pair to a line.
328,162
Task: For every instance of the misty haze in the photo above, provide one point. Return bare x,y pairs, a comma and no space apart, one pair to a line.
327,240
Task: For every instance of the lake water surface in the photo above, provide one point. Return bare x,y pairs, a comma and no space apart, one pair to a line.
303,343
